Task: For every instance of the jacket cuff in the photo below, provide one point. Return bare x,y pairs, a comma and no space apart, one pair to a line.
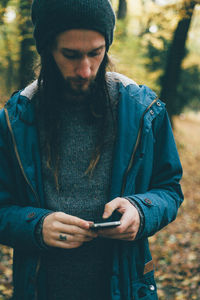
140,212
150,211
39,235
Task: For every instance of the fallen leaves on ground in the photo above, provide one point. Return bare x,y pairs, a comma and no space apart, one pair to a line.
175,249
5,273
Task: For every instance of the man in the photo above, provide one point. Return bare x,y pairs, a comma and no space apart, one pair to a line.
80,146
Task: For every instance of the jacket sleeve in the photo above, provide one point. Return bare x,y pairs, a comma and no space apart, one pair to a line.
17,222
164,196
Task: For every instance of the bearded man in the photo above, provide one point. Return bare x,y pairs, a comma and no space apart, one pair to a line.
81,145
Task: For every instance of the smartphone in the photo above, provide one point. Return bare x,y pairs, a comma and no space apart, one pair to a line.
105,225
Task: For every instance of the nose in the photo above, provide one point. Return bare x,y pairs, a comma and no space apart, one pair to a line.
83,69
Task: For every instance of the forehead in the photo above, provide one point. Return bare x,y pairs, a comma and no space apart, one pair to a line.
80,39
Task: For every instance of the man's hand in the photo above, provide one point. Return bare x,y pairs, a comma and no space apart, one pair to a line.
130,221
66,231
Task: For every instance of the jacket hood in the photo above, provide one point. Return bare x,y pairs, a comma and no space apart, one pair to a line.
20,102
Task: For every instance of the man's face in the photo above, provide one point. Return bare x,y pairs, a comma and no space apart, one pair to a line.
78,54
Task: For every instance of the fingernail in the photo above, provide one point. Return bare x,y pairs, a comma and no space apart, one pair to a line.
105,215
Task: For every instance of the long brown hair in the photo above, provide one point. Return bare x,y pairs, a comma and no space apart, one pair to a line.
51,88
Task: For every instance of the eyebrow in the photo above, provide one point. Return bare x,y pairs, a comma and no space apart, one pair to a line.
80,52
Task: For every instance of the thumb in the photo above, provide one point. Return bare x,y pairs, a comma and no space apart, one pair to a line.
110,207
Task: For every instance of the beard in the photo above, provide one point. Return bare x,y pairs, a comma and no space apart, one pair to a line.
55,85
77,88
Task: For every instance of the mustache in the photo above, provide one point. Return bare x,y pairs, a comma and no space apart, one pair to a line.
77,90
80,79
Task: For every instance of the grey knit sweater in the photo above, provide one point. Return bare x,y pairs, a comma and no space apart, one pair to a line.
81,273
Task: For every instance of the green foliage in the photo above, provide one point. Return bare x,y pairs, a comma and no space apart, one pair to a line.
9,55
157,50
128,54
157,55
17,51
27,49
189,89
138,52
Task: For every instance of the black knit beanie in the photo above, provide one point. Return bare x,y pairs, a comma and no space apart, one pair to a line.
51,17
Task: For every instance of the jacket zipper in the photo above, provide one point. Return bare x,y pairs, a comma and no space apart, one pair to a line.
135,148
26,179
18,157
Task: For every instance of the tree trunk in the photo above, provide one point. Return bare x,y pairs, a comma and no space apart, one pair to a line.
3,6
122,10
175,57
27,54
9,72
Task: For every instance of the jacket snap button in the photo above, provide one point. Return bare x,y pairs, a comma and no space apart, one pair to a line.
158,103
152,288
148,201
151,112
31,215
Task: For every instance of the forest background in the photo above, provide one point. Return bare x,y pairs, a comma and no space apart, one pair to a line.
157,43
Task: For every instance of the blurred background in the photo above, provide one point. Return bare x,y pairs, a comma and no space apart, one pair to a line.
157,43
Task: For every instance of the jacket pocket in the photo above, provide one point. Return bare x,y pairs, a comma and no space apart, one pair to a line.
145,288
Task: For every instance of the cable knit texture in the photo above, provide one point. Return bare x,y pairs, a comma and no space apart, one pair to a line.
51,17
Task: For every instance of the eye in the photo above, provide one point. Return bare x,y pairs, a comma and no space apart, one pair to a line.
71,56
94,53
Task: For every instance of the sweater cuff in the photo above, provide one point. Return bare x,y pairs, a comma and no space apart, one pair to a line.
38,233
140,212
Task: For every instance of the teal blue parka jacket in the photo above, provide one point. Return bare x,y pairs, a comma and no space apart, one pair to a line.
146,168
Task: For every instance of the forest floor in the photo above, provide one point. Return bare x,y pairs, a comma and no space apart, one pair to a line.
175,249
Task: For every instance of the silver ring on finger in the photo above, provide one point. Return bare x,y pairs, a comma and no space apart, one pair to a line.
62,237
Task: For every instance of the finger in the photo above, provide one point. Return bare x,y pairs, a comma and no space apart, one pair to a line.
119,231
126,236
71,220
114,232
111,206
130,218
69,245
111,231
127,221
68,238
58,227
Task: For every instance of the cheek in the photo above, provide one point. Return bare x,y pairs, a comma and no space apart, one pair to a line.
65,67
